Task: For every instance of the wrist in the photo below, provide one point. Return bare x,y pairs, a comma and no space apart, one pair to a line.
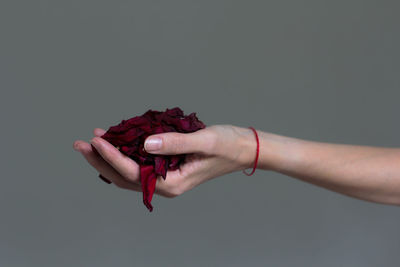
276,152
247,145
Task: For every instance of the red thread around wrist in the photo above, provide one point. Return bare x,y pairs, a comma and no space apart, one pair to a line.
258,152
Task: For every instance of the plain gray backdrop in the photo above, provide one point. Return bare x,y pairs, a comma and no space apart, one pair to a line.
318,70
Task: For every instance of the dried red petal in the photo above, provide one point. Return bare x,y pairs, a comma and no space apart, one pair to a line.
148,180
174,162
161,165
129,136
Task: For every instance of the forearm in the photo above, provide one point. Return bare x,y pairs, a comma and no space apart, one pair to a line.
364,172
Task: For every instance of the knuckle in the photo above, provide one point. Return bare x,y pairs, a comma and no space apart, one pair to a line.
212,141
176,144
111,155
174,191
209,141
120,184
131,178
169,195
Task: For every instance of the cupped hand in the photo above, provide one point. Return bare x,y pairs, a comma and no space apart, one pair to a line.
210,152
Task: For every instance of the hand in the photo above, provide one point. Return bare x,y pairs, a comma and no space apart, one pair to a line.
211,152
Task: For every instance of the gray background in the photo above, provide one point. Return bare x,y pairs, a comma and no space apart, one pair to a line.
318,70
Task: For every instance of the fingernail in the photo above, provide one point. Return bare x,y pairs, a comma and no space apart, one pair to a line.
76,147
104,179
152,144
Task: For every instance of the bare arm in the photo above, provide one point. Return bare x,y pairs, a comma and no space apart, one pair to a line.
364,172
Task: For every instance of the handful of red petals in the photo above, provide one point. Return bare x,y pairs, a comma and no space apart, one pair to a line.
129,136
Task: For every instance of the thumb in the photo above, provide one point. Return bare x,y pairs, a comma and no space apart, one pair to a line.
173,143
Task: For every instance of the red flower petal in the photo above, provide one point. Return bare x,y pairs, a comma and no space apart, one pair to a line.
148,180
161,165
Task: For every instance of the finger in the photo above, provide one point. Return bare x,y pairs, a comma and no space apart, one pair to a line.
99,132
103,167
124,165
172,143
104,179
162,188
168,187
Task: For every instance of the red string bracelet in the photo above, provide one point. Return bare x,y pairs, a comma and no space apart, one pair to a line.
258,152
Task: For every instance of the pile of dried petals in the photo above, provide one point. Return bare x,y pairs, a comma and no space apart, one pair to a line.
129,137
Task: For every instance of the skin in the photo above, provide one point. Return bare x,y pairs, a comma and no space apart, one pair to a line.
363,172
